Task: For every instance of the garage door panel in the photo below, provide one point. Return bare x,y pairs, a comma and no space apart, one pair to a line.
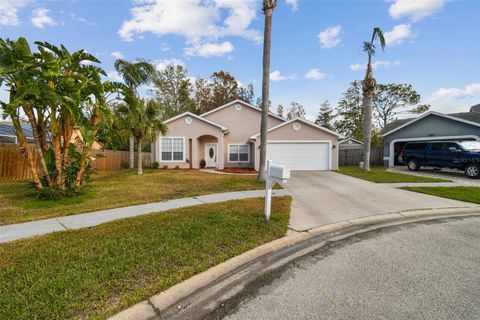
300,156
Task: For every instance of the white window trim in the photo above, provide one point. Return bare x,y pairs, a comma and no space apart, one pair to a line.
170,161
238,144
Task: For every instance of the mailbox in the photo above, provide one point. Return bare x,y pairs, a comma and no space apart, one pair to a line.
278,172
275,174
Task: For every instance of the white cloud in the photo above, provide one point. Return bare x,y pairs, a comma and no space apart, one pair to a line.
117,55
385,64
377,64
198,21
330,37
9,11
162,64
41,18
399,34
278,76
82,20
114,76
356,67
293,4
209,49
415,9
164,47
470,90
315,74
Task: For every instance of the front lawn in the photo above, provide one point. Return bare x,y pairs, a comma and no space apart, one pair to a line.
93,273
111,189
468,194
381,175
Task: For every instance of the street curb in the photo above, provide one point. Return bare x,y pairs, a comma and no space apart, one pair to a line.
155,306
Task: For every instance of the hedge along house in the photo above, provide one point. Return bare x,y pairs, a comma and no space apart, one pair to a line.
429,126
228,137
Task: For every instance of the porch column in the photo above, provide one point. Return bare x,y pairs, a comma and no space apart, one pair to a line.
194,156
220,153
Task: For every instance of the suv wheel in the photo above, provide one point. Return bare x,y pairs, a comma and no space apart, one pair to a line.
413,165
472,171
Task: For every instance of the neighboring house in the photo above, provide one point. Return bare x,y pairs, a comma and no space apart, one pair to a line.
350,143
228,136
7,134
427,127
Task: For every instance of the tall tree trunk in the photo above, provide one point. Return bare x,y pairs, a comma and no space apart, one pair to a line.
79,179
267,41
132,152
27,153
57,153
37,139
139,157
368,86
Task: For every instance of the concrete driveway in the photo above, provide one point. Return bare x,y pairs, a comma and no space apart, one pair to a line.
325,197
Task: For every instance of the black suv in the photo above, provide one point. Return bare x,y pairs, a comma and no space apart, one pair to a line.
462,155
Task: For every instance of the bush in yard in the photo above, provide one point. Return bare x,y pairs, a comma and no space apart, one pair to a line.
203,163
125,164
165,167
177,167
155,165
59,92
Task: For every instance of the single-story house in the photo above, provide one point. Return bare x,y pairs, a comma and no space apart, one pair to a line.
228,136
350,143
429,126
7,134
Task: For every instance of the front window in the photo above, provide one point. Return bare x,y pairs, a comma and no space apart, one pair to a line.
172,149
238,153
470,145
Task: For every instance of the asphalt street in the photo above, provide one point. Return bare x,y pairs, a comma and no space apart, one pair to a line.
426,270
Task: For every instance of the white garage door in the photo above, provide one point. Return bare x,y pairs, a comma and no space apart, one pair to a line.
300,155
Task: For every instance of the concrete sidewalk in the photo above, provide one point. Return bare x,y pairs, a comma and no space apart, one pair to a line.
35,228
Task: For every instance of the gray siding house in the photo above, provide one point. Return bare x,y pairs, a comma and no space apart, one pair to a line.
427,127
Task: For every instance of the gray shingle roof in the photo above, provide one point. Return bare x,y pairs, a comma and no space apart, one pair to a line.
473,115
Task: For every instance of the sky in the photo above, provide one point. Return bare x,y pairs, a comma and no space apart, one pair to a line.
316,45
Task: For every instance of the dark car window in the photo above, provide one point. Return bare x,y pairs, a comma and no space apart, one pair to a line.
437,146
449,145
415,146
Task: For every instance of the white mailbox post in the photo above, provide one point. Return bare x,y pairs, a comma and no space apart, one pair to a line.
275,174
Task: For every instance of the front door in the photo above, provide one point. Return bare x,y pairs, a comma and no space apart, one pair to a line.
211,155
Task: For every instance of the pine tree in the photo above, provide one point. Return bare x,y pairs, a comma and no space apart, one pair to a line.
325,116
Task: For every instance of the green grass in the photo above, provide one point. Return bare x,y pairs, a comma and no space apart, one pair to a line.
94,273
18,202
468,194
380,175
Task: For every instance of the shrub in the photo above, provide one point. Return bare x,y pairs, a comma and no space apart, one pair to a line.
155,165
55,194
165,167
177,167
125,164
203,163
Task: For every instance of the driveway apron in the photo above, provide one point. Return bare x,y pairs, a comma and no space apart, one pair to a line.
324,197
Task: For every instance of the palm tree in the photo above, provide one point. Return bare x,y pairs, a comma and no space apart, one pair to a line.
368,87
267,8
141,119
134,74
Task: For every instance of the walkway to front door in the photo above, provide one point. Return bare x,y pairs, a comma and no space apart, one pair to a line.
211,155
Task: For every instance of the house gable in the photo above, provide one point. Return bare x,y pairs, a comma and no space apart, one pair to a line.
433,125
293,128
241,119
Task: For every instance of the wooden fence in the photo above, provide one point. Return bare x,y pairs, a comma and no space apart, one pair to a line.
14,166
348,157
112,160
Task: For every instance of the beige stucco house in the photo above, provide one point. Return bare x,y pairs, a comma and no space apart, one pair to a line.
228,136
